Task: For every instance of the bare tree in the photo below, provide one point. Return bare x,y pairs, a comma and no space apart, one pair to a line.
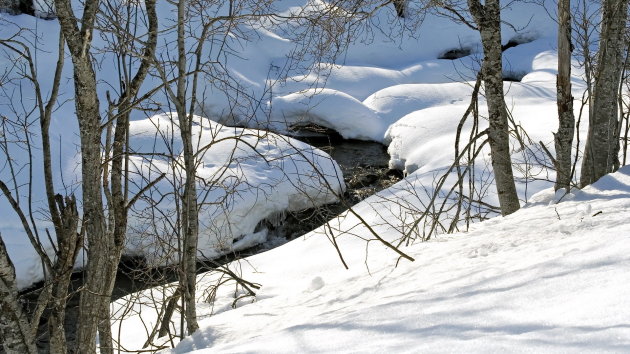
105,234
488,20
189,222
116,182
602,144
95,296
566,121
61,211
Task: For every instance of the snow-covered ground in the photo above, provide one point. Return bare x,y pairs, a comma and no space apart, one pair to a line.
248,175
388,87
552,277
549,278
245,176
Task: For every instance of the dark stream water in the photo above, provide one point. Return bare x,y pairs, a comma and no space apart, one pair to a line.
365,169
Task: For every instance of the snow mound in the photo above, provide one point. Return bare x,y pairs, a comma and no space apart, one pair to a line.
244,176
395,102
329,108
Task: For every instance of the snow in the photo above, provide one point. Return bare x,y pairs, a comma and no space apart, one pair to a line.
352,120
551,277
245,176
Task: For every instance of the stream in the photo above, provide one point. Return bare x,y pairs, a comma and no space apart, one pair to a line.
365,169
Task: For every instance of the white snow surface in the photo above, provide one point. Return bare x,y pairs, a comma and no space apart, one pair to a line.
387,87
552,277
331,109
244,176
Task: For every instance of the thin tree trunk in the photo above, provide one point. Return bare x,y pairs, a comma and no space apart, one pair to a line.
15,329
566,121
190,222
69,243
118,202
602,143
488,19
63,214
95,294
65,217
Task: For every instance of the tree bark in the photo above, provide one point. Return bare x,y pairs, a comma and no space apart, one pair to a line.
68,244
190,222
566,121
63,214
95,294
65,217
118,193
602,143
488,19
15,329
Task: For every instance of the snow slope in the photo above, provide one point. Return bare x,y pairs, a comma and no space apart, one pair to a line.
552,277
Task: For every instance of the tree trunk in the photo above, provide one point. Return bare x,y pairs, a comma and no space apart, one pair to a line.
15,330
602,143
488,19
566,121
69,243
96,292
190,225
118,194
190,222
100,244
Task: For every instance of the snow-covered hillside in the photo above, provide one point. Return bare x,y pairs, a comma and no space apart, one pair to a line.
552,277
549,278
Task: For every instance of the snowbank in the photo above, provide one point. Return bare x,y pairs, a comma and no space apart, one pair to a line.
551,277
244,176
388,87
328,108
